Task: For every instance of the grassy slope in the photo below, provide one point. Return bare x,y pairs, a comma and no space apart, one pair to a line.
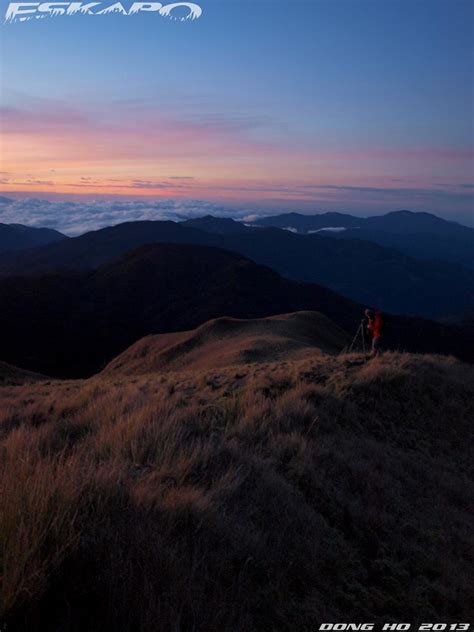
262,497
232,341
10,374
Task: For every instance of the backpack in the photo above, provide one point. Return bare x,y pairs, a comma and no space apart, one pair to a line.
380,323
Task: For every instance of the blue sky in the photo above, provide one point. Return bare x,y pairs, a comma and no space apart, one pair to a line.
304,105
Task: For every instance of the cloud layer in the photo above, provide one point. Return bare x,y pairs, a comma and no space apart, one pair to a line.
75,218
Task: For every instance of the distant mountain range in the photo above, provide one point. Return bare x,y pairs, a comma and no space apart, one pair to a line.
419,235
361,270
403,222
18,237
72,324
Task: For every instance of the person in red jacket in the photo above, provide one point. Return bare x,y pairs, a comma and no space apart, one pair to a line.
375,327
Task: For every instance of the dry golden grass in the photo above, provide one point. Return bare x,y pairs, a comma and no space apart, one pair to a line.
253,497
233,341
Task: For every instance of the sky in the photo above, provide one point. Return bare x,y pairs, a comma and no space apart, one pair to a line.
259,106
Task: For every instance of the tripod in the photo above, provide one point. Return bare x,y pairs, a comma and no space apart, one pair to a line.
359,333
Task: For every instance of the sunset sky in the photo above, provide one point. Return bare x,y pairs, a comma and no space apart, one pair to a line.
358,106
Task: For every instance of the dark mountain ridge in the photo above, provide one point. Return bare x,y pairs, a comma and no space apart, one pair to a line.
419,235
306,223
362,271
15,237
396,221
72,324
217,225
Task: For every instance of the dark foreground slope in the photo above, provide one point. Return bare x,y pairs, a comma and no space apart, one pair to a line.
360,270
72,325
275,497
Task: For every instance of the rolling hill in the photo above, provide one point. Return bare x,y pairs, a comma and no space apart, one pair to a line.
73,324
10,374
360,270
15,237
230,341
457,249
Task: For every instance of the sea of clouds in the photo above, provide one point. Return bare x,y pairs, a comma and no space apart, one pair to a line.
75,218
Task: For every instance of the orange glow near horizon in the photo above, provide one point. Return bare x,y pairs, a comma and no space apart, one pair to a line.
74,152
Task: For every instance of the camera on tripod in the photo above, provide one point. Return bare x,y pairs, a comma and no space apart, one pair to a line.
360,336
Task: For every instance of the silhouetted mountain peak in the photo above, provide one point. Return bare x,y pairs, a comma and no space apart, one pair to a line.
217,225
14,237
412,222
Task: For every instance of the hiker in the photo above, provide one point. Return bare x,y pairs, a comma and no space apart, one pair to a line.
375,327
